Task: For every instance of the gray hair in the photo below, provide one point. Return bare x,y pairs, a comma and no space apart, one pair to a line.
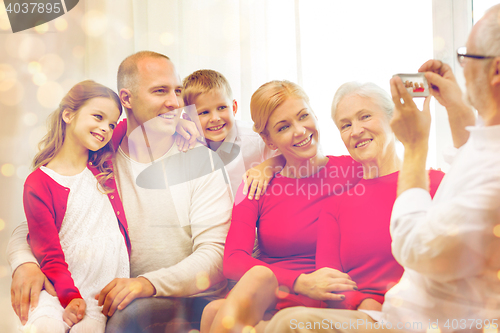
488,37
368,90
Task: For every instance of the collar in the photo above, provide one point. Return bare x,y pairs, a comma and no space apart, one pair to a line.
484,137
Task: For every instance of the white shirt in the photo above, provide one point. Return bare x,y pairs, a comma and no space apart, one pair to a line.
448,245
90,238
178,212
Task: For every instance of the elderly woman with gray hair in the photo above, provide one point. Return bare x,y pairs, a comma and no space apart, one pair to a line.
353,228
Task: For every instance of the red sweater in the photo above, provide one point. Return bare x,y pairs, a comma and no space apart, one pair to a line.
354,237
285,218
45,203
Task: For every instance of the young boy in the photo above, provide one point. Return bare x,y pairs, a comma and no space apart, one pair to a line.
239,147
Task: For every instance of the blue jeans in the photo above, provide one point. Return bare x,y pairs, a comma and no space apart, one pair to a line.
158,315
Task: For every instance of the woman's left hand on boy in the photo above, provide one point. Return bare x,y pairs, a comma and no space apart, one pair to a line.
256,182
187,135
257,178
121,292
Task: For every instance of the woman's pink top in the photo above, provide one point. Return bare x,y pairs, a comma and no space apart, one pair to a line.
285,218
354,237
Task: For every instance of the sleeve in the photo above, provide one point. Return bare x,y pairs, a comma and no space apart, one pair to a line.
18,249
209,216
119,133
240,242
46,246
328,254
328,243
450,240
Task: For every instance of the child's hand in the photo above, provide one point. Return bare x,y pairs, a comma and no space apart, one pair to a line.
74,312
187,134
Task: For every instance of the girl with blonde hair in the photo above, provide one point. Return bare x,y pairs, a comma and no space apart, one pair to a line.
77,226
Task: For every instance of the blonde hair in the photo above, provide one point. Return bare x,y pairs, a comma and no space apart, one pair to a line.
270,96
54,139
202,82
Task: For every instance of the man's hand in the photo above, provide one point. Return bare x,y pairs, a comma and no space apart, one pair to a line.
411,126
187,134
442,83
74,311
121,292
27,283
324,284
444,87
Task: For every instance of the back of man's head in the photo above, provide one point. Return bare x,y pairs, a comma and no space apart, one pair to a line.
487,38
128,70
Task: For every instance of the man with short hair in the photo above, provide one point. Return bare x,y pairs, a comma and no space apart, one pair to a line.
449,246
177,229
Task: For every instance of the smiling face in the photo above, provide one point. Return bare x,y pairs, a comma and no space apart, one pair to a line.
93,124
364,128
157,98
216,113
292,128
